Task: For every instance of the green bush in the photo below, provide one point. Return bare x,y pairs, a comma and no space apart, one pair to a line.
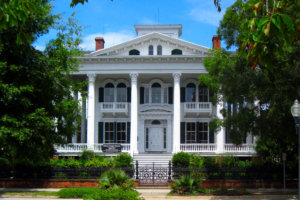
76,192
209,162
123,160
185,185
113,194
196,161
4,162
181,160
87,155
97,163
115,178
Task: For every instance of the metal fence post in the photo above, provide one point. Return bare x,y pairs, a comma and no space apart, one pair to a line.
136,169
153,174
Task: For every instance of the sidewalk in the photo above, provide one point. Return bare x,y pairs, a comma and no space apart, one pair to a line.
161,194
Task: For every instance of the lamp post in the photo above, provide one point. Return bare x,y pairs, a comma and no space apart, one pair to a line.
295,110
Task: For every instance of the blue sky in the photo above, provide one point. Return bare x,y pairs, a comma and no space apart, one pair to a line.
114,20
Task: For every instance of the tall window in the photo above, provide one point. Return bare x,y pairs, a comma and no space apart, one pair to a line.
109,132
151,50
121,92
203,93
156,93
159,50
121,132
190,95
203,132
190,132
109,93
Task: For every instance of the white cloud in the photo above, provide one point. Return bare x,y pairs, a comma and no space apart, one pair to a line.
110,38
208,16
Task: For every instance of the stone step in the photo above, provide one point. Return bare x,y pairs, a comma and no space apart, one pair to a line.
147,160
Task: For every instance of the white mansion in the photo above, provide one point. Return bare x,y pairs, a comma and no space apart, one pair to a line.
144,94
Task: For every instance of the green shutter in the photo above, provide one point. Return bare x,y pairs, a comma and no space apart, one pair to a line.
142,95
115,132
100,132
198,132
182,133
128,132
211,137
182,95
128,94
101,94
170,95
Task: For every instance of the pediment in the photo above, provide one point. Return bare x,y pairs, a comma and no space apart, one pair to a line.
144,41
161,109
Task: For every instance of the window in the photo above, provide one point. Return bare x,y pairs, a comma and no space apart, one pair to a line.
190,132
147,138
121,92
121,132
155,122
146,95
156,93
176,52
109,132
165,95
159,50
203,132
190,94
134,52
203,94
150,50
109,93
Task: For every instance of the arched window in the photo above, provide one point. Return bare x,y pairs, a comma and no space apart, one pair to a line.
190,95
203,93
156,93
134,52
155,122
121,92
151,50
109,93
159,50
176,52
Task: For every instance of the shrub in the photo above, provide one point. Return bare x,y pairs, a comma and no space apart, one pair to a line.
181,160
185,185
123,160
97,163
115,178
196,161
113,194
87,155
73,163
76,192
209,162
4,162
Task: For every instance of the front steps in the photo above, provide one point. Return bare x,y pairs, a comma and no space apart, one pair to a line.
148,159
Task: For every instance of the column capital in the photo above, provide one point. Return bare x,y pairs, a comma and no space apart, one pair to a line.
134,76
91,77
176,76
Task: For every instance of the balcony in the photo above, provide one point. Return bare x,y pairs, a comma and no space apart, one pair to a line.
198,107
194,148
114,107
244,148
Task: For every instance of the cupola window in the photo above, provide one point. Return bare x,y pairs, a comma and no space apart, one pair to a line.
134,52
159,50
151,50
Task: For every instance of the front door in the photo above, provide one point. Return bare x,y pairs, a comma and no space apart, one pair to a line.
156,139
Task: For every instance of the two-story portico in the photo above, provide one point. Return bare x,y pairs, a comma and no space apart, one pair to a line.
144,94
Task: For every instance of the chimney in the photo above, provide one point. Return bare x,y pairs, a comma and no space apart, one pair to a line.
216,42
99,41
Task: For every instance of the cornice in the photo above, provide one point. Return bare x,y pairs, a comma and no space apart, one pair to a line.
141,59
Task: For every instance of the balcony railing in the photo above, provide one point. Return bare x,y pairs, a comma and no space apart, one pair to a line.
244,148
198,107
198,147
113,107
79,147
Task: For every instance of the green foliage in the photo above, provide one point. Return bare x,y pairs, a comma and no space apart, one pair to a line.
4,162
98,163
123,160
196,161
113,194
115,178
186,185
181,159
87,155
76,192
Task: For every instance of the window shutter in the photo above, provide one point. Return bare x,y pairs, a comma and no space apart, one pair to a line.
101,94
182,132
142,89
211,137
182,95
170,95
115,132
128,95
128,133
198,132
100,132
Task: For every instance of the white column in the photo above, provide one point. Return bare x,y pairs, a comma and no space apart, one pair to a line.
83,118
91,111
133,114
220,134
74,137
176,113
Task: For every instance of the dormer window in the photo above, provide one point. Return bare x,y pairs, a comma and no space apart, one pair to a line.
134,52
151,50
176,52
159,50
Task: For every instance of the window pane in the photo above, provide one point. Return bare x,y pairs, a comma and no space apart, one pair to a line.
190,94
150,50
121,95
203,94
203,132
109,132
156,95
121,132
191,132
146,95
159,50
165,95
109,95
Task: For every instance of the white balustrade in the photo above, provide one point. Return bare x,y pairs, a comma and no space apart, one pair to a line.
114,107
124,147
198,147
198,107
72,147
245,148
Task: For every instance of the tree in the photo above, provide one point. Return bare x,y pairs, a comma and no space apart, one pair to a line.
258,99
37,108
